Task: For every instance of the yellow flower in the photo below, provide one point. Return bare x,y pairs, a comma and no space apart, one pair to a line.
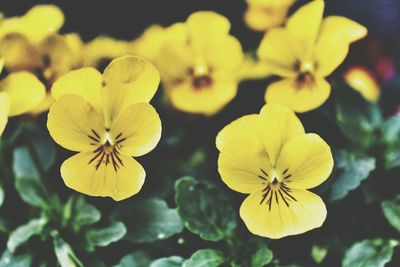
149,44
363,81
270,157
31,43
262,15
304,52
199,63
108,120
102,50
20,92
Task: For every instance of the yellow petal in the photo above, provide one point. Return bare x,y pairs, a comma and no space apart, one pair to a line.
138,129
264,18
19,54
330,51
280,52
25,92
105,181
149,44
363,80
36,24
74,124
277,125
85,82
128,80
305,24
305,213
207,101
352,30
44,105
307,160
243,165
242,128
299,98
103,48
4,106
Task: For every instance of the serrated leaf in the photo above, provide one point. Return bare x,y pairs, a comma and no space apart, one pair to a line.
64,253
173,261
105,236
357,118
27,180
154,220
205,258
261,257
24,232
391,210
135,259
204,209
367,253
351,168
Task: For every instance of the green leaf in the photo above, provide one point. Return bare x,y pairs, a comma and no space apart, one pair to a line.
173,261
27,180
22,234
64,253
135,259
204,209
391,130
367,253
351,168
105,236
205,258
83,214
318,253
392,156
8,259
155,221
262,257
357,118
43,146
391,210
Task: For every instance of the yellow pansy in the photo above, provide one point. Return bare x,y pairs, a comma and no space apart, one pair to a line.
102,50
270,157
20,92
149,44
304,52
262,15
362,80
108,120
199,63
31,43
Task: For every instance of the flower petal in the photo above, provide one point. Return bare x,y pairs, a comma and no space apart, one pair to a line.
24,90
242,128
103,48
305,213
298,97
138,129
280,52
277,124
244,165
305,24
104,181
128,80
307,160
344,26
4,107
74,124
85,82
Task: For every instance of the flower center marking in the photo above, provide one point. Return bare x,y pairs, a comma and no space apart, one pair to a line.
276,189
200,77
107,152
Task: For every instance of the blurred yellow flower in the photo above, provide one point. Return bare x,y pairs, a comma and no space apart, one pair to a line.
20,92
101,50
108,119
270,157
362,80
304,52
262,15
149,44
199,63
31,43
